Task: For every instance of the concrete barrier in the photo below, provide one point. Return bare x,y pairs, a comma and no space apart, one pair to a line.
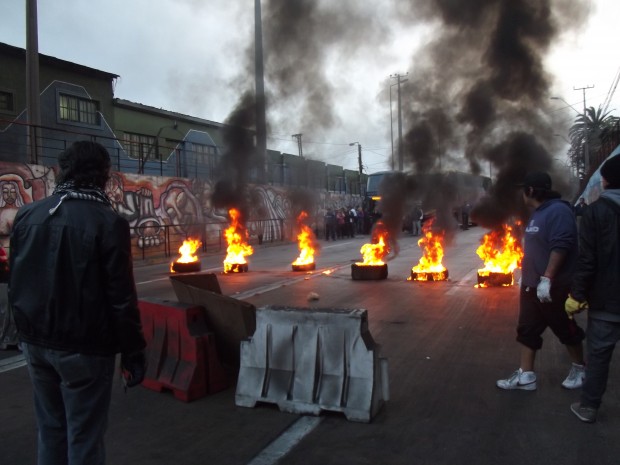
180,350
309,360
230,319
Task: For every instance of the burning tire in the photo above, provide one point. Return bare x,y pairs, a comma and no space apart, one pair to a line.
429,276
305,267
238,268
491,279
369,272
178,267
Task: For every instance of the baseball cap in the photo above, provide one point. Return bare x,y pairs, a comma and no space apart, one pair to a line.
537,180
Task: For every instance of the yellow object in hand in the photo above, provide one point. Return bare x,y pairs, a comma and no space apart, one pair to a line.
572,306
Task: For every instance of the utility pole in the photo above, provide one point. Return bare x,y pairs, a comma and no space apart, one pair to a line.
32,77
359,161
399,81
261,124
299,147
392,127
586,143
304,171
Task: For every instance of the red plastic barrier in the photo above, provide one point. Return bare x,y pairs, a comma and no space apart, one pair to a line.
181,353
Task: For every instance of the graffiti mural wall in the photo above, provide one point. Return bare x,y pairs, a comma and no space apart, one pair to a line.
156,206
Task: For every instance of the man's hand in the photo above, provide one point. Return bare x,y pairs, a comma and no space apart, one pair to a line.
572,306
543,291
133,367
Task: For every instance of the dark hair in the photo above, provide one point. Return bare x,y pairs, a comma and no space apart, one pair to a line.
85,163
541,194
611,172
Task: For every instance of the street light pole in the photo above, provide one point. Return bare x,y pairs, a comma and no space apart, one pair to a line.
586,146
299,146
359,161
155,145
33,101
392,126
399,81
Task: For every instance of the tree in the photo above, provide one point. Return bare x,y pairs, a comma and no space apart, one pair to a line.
591,124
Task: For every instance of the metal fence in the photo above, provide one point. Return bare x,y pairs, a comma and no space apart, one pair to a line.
169,238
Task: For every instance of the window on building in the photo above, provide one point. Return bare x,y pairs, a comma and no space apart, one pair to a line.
78,110
139,146
7,103
206,155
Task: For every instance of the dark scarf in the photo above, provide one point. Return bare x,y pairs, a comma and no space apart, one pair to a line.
67,190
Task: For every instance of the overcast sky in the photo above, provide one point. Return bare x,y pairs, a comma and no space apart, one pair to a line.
190,56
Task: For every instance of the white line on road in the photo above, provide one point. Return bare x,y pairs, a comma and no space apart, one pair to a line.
12,363
285,282
466,281
284,443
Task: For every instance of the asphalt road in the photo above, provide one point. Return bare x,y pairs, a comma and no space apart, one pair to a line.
446,343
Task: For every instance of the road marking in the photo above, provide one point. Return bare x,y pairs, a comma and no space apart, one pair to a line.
284,443
465,281
12,363
285,282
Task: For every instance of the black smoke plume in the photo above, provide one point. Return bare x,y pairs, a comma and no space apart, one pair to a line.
239,158
478,93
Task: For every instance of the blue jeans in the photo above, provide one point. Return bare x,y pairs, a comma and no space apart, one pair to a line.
71,400
602,337
417,227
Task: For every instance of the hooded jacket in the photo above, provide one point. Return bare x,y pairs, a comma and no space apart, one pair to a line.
552,226
597,277
71,283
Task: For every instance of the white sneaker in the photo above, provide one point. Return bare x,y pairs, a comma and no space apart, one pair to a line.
575,378
525,380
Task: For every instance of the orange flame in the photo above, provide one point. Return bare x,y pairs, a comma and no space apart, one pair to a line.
374,253
187,252
500,251
306,242
236,237
432,250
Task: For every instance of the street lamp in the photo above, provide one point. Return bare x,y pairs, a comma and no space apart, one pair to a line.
399,81
359,161
586,143
155,146
392,125
567,104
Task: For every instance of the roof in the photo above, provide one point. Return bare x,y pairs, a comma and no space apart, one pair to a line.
57,62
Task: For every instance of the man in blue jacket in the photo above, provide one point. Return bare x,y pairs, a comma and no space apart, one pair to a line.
595,287
550,253
75,305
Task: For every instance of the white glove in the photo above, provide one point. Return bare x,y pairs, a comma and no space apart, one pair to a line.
543,290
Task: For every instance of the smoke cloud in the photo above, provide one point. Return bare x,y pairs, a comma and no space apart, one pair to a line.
478,93
476,97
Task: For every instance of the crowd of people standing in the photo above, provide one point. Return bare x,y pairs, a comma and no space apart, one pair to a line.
346,222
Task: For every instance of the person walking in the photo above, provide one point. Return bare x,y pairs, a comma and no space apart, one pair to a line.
418,215
75,304
596,277
330,225
465,210
550,253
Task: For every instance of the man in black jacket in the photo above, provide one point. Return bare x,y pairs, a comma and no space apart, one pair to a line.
595,285
75,304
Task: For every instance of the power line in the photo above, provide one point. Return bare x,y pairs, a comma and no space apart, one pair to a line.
611,92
